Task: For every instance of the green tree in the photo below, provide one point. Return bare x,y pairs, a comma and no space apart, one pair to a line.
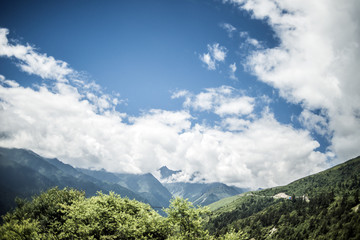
42,214
25,229
112,217
186,221
233,235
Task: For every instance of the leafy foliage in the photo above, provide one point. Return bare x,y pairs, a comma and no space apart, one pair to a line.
67,214
111,217
185,220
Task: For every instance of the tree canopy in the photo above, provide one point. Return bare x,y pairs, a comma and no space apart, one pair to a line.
67,214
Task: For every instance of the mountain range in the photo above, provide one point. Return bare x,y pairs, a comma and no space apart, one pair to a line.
24,173
199,193
145,185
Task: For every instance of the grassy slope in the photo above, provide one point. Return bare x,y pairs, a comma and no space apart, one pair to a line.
309,185
333,195
323,181
227,203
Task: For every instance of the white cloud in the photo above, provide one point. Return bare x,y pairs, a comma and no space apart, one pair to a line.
32,62
78,124
216,53
179,94
203,101
47,67
207,59
232,71
314,122
61,124
264,150
9,83
222,101
234,106
248,41
316,63
259,153
228,28
235,124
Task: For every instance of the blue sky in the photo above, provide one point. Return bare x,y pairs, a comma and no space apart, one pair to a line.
235,89
141,49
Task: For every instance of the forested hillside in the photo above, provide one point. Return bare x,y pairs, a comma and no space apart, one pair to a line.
321,206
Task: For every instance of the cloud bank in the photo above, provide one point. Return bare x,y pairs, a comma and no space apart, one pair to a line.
315,64
77,123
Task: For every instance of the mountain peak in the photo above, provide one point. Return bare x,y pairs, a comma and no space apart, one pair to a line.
165,172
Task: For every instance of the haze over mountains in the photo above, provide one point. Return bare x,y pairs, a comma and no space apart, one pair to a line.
146,185
24,173
200,193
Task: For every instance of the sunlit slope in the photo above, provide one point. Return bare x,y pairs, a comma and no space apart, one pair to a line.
321,206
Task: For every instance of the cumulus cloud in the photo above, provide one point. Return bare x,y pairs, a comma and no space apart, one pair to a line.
316,63
315,122
235,106
222,101
65,126
62,124
77,124
235,124
244,157
216,53
7,82
47,67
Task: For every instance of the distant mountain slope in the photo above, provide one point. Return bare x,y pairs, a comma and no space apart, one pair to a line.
202,193
146,185
198,193
23,173
321,206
